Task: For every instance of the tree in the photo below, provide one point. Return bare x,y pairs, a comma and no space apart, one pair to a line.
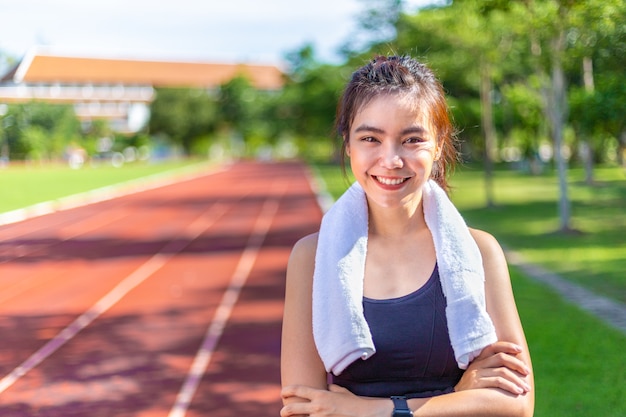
598,47
236,99
376,25
39,130
610,103
465,42
552,26
183,114
309,98
556,109
524,106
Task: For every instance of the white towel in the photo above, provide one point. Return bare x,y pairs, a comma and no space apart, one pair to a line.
339,328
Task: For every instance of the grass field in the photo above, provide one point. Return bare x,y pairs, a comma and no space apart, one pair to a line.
526,218
24,185
579,361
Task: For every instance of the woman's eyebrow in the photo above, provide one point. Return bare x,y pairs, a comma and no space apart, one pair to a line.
367,128
413,129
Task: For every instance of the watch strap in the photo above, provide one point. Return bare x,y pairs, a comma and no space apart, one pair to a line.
400,407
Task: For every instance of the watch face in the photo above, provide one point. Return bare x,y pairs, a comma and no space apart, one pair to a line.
402,413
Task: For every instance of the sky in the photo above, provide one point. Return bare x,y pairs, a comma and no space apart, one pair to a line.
255,31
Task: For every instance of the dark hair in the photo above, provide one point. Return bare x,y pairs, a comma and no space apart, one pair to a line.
401,75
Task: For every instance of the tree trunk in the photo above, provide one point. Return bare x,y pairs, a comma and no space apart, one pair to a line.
489,130
621,149
554,106
587,149
557,111
586,153
4,152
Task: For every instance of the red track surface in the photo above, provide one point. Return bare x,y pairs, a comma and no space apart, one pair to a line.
104,308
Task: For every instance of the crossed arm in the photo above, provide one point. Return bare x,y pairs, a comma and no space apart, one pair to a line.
499,382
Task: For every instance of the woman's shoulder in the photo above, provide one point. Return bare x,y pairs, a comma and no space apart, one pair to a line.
486,242
490,248
303,252
306,245
494,260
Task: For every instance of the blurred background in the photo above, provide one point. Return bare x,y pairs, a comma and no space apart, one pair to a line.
524,78
536,88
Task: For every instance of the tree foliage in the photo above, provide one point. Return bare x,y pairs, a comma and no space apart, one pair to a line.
40,131
496,59
183,114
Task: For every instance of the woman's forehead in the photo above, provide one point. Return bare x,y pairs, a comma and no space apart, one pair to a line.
420,111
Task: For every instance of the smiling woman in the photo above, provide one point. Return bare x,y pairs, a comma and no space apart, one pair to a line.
391,150
395,301
422,100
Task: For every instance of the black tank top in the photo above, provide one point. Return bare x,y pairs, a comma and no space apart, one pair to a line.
413,356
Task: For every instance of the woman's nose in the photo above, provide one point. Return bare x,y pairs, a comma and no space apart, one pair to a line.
391,159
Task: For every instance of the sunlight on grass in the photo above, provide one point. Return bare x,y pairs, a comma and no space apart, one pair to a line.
577,359
526,218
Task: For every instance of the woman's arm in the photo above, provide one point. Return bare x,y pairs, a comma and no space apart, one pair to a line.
502,373
304,379
488,387
501,304
300,362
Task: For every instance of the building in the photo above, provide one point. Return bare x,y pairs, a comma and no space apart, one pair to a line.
118,90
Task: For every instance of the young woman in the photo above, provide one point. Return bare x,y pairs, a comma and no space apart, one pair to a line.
396,132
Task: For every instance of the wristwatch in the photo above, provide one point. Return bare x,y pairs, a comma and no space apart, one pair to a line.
400,407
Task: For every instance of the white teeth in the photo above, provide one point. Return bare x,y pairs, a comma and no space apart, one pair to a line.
390,181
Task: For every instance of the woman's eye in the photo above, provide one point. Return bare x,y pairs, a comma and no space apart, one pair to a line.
414,140
369,139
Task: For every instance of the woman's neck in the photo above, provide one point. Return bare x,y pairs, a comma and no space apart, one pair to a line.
396,222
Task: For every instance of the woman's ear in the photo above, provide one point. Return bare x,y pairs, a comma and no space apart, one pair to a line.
346,141
438,151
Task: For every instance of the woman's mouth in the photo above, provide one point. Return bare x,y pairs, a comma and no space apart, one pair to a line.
389,181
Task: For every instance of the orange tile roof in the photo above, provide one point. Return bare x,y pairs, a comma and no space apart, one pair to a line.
77,70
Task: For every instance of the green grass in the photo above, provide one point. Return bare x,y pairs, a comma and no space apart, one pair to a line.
578,360
525,218
24,185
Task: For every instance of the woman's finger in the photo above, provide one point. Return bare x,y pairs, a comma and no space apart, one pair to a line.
503,378
500,347
300,391
514,363
504,360
294,409
514,387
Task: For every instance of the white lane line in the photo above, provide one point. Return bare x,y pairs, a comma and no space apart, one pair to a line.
229,299
109,192
203,222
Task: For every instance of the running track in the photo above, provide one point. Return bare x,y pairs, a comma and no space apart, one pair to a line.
166,302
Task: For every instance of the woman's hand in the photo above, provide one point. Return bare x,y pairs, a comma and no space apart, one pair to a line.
497,366
334,402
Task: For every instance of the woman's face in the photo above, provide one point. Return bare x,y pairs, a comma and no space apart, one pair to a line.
391,148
